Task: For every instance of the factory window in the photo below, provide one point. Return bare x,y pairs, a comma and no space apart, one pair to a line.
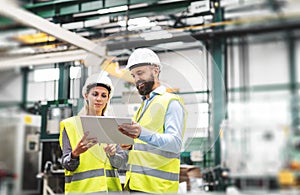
75,75
43,75
43,84
75,72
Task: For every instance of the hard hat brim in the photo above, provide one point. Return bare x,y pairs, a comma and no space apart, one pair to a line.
142,64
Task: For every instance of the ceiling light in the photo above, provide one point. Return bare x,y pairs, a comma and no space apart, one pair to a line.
85,14
137,23
132,27
90,23
73,25
26,50
134,6
171,45
155,35
168,1
199,7
113,9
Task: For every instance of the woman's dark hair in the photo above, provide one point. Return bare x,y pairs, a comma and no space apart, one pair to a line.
90,86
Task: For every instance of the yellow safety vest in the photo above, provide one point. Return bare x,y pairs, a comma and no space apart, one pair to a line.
151,169
94,173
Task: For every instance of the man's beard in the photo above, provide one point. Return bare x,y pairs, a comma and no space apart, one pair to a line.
147,88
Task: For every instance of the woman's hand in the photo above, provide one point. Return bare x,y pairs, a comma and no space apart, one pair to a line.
110,149
83,145
126,146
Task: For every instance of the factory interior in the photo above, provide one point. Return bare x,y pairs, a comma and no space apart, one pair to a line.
235,63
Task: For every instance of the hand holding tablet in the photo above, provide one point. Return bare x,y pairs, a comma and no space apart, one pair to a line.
106,129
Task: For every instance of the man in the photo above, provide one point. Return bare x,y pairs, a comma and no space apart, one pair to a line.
158,128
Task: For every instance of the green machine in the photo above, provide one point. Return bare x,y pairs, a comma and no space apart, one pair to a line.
52,113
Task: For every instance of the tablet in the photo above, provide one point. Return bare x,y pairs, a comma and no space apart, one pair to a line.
106,129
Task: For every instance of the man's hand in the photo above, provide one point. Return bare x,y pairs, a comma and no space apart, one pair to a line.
110,149
83,145
131,130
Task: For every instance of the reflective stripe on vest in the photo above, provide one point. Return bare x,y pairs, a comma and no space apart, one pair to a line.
151,169
154,150
155,173
84,175
89,175
111,173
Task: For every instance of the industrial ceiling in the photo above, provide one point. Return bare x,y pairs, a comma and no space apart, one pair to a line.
126,24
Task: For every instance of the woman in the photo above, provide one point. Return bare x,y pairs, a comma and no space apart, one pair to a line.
87,167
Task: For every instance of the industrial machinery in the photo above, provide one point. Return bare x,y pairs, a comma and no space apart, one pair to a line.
19,135
289,175
253,153
216,179
251,157
52,173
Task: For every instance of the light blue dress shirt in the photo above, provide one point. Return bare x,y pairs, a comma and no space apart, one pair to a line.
171,139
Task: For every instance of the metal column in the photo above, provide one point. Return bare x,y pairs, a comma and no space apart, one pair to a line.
218,84
64,81
25,72
293,82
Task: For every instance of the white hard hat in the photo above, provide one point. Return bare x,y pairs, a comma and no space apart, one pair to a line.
98,79
142,57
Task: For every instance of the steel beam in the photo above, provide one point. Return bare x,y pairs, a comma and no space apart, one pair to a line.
39,59
29,19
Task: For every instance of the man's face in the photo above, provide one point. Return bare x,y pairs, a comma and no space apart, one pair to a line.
144,79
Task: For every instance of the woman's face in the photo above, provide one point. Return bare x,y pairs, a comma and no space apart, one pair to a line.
97,99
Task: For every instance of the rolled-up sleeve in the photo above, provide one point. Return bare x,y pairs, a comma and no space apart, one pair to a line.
119,160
